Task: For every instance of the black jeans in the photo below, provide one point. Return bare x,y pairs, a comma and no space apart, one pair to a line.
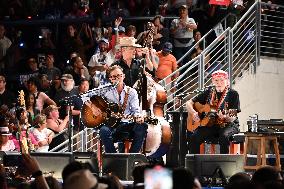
202,134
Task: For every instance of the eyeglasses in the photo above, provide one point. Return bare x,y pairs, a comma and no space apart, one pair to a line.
115,76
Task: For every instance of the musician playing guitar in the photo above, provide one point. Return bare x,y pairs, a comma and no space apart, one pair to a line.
127,99
213,112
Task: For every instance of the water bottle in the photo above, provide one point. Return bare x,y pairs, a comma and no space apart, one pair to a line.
254,123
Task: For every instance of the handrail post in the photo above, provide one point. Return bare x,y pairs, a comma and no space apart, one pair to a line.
257,35
201,71
230,57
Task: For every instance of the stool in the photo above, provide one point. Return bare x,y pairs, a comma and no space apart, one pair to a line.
261,150
235,148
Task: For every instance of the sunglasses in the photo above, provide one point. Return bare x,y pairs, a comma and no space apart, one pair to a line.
115,76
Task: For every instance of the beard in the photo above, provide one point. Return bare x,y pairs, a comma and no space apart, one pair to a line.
68,87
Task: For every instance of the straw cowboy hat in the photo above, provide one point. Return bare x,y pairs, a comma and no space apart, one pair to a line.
83,179
127,42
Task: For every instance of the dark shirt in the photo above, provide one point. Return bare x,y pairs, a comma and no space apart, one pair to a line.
7,98
78,105
51,73
131,73
232,100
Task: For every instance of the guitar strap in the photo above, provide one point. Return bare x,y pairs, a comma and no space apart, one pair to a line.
125,99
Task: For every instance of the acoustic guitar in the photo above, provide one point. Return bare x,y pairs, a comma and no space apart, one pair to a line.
98,111
208,116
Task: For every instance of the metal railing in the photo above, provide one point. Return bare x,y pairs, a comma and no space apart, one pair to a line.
83,141
236,50
223,24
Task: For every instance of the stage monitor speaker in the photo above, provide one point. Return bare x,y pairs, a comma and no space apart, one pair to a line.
87,157
122,164
49,162
53,162
204,165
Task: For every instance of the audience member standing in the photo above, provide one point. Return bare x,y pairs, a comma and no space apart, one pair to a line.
167,64
182,31
5,43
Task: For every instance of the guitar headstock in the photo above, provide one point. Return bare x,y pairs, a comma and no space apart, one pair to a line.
21,98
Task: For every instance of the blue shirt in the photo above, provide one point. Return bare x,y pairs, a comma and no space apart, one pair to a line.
132,106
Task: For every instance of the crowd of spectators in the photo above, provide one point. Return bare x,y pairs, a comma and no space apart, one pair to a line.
84,176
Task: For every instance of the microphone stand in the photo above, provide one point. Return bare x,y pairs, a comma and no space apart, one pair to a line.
182,129
143,84
68,103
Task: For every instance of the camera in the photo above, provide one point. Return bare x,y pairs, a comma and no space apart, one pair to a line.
41,59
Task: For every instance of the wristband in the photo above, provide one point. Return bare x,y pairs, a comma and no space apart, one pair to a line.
37,174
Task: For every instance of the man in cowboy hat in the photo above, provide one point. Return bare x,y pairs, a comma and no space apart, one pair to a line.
131,68
221,99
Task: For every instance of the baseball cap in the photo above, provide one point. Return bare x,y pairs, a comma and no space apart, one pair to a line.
168,47
67,76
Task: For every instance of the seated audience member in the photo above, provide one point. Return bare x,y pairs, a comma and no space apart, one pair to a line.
77,70
100,62
31,107
27,140
55,124
49,69
42,134
40,97
5,143
6,97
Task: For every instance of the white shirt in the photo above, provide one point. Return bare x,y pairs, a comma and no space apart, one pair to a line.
42,136
182,33
99,60
9,146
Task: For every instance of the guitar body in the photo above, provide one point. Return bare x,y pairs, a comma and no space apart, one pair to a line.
98,111
208,116
204,120
94,112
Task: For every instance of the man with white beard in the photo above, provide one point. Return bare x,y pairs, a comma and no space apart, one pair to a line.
67,90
